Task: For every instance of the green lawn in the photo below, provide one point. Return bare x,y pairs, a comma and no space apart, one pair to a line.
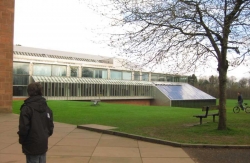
167,123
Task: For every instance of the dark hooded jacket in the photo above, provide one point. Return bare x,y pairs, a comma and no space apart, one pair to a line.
35,125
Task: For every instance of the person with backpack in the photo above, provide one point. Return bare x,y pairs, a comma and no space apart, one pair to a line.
35,125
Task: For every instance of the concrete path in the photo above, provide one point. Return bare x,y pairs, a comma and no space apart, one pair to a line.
69,144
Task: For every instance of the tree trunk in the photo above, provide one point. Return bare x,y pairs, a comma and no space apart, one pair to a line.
222,96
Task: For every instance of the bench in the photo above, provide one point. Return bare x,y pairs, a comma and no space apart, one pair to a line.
95,102
207,109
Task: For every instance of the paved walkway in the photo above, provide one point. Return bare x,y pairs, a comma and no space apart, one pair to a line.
69,144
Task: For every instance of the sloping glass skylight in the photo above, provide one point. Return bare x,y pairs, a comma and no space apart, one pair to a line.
183,91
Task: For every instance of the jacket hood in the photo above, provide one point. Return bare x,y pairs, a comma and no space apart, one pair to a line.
38,103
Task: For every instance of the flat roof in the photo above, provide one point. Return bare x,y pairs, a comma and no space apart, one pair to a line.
58,53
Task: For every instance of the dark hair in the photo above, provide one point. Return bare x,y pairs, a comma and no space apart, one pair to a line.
34,89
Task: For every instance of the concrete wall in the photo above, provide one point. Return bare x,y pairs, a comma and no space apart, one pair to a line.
6,54
159,98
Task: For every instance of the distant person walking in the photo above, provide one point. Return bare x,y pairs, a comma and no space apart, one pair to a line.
240,100
35,125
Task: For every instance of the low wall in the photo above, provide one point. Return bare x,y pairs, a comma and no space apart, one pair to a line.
133,102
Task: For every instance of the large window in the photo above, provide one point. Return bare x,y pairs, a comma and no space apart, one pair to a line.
94,73
154,77
73,71
21,68
169,78
20,78
49,70
59,70
136,75
162,77
145,76
120,75
116,75
87,72
126,76
99,73
158,77
41,70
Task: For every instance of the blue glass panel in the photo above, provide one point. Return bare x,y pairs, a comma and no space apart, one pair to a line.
183,92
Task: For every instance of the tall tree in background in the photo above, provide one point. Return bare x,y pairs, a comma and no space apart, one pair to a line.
181,35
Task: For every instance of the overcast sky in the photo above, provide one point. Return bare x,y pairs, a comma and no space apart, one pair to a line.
66,25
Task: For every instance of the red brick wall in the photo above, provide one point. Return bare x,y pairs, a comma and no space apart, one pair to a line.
133,102
6,54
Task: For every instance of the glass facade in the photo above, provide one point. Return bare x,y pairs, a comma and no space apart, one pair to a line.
72,78
21,68
42,70
115,75
137,75
58,70
92,83
20,78
126,75
168,78
154,77
183,92
160,77
145,76
73,71
94,73
49,70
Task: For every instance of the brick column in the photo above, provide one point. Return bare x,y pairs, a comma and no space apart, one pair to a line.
6,54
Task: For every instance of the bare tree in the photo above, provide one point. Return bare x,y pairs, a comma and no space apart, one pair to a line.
243,83
231,82
181,35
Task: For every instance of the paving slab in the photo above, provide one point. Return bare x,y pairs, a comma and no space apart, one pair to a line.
70,144
115,160
78,142
118,142
163,152
167,160
67,159
116,152
12,158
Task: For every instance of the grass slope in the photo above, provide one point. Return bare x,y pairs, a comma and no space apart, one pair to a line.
167,123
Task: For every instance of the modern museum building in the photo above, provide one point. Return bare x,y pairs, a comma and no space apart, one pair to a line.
75,76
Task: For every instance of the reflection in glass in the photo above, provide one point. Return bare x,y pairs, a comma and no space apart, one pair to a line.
126,75
87,72
115,74
183,92
20,91
73,71
99,73
21,68
154,77
94,73
20,79
41,70
162,77
136,75
59,70
169,78
145,76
